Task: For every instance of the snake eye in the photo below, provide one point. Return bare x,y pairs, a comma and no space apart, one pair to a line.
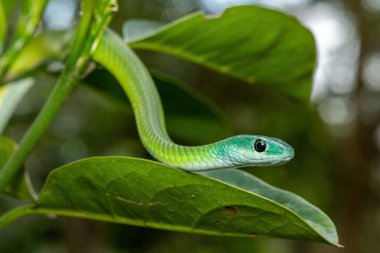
260,145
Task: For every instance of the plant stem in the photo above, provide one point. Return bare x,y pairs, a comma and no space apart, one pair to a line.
28,21
62,89
3,26
15,214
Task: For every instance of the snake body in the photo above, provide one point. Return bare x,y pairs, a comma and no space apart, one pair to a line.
238,151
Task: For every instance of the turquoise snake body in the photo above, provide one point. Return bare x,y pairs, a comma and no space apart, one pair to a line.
238,151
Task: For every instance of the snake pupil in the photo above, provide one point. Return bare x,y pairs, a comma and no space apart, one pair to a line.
260,145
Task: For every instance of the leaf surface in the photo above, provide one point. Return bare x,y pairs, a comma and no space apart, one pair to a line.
251,43
145,193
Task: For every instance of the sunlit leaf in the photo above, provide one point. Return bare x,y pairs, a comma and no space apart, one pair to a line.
10,96
251,43
44,46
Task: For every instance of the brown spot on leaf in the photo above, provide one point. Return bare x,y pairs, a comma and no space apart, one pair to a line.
253,234
218,222
230,210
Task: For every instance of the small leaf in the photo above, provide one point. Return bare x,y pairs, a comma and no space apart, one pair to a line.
19,186
10,96
145,193
46,45
251,43
28,20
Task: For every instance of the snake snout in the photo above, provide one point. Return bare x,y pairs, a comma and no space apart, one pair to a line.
285,150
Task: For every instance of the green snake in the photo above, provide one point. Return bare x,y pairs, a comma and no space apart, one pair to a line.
238,151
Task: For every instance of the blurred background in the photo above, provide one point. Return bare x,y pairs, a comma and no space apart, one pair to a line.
337,139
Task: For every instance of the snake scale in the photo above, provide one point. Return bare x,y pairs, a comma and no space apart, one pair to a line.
238,151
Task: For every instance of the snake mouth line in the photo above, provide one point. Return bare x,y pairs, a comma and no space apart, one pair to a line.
287,158
281,160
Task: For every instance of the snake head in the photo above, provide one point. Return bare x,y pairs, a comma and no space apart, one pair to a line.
256,150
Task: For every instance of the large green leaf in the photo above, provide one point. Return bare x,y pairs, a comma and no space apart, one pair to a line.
190,117
145,193
19,186
252,43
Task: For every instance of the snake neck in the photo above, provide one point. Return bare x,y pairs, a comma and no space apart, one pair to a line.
192,158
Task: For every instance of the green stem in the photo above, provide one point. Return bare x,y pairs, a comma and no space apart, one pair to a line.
3,26
60,92
27,23
15,214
